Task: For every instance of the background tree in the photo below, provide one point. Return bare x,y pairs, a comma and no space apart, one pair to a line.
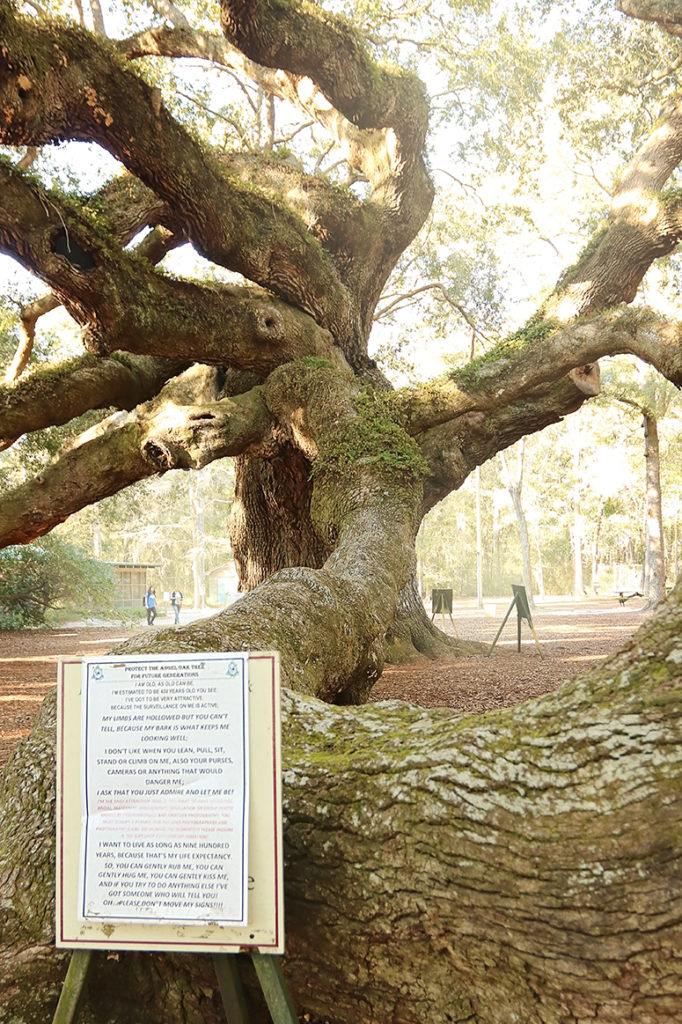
526,861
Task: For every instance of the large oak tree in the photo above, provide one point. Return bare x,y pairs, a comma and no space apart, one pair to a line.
523,866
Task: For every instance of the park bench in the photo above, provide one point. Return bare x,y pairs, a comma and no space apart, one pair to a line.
622,597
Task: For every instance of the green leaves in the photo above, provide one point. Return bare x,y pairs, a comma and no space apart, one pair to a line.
39,577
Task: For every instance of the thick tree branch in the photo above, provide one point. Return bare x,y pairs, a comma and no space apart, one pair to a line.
390,106
644,223
55,88
530,858
492,382
126,305
454,448
361,147
128,218
666,13
56,394
306,40
179,429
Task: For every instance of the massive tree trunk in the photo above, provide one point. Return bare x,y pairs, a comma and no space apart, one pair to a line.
519,866
522,865
270,525
271,529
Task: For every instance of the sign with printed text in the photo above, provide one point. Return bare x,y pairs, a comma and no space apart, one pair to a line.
165,785
169,802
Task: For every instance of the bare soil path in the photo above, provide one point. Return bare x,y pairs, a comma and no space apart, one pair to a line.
574,636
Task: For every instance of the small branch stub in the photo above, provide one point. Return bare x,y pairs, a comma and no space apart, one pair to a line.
587,379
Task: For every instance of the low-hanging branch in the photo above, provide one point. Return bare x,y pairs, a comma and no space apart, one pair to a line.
170,432
54,395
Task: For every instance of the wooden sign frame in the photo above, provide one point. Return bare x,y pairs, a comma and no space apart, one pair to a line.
264,930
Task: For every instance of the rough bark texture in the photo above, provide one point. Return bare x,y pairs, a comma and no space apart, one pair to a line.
270,525
413,635
521,866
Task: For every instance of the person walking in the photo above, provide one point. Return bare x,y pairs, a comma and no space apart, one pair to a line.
150,605
176,603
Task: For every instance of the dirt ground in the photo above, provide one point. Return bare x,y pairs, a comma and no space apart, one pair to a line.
573,637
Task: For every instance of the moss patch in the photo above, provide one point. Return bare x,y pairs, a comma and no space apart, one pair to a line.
376,437
536,330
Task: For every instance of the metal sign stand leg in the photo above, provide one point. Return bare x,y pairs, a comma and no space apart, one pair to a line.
73,987
274,988
268,971
231,988
497,635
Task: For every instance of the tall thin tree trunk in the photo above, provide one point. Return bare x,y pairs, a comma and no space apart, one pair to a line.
97,535
595,551
479,541
578,582
539,567
196,499
97,17
515,487
654,562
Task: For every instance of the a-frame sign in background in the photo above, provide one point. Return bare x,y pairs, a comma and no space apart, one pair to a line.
165,841
520,602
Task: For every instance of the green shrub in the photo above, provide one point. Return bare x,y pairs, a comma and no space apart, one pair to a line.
50,574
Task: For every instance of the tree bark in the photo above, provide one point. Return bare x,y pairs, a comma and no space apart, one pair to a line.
523,864
271,526
412,635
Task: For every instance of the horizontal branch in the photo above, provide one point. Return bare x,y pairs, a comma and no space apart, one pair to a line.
506,375
126,305
453,449
166,433
54,395
129,208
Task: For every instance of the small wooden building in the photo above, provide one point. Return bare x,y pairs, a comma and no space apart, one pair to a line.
133,578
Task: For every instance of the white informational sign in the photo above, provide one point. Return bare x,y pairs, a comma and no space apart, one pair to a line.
165,789
127,775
